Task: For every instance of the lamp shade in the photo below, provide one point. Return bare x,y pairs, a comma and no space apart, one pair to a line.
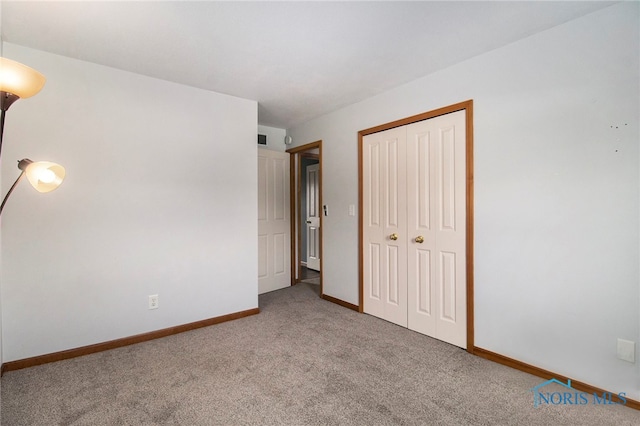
44,176
18,79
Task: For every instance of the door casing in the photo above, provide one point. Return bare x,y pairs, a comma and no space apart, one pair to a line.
295,188
467,106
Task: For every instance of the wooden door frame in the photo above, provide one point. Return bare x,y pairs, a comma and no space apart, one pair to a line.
466,106
295,188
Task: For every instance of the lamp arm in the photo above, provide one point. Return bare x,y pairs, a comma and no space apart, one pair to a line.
6,197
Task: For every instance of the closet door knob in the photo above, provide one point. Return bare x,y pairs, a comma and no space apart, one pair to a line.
419,239
393,237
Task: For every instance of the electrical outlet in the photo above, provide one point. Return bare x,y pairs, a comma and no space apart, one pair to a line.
153,301
627,350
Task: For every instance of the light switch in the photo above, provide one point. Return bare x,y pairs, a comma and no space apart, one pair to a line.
352,210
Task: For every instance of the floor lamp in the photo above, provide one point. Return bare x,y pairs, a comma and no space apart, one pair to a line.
19,81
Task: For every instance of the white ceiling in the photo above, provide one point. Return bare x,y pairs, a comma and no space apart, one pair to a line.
299,60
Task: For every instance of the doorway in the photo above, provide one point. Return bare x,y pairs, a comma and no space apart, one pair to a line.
307,212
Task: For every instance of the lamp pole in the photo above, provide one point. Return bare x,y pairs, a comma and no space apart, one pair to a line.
6,100
1,129
6,197
3,107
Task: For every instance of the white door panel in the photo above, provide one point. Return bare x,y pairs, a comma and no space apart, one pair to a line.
374,238
274,242
385,236
421,211
394,200
451,233
313,217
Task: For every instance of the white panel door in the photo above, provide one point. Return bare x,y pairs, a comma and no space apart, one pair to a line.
313,217
436,187
274,242
385,224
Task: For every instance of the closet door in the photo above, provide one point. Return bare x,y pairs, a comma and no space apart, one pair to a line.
385,225
436,220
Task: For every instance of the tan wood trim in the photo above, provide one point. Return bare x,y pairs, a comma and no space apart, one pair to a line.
360,225
468,107
298,207
340,302
118,343
419,117
321,245
470,221
546,374
293,216
305,147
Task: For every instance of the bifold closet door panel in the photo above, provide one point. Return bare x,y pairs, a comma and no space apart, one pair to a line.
436,186
385,227
421,213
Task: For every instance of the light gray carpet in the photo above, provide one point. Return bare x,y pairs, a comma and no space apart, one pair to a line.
315,281
301,361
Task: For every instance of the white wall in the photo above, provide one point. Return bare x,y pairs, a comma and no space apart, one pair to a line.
556,192
275,138
160,198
